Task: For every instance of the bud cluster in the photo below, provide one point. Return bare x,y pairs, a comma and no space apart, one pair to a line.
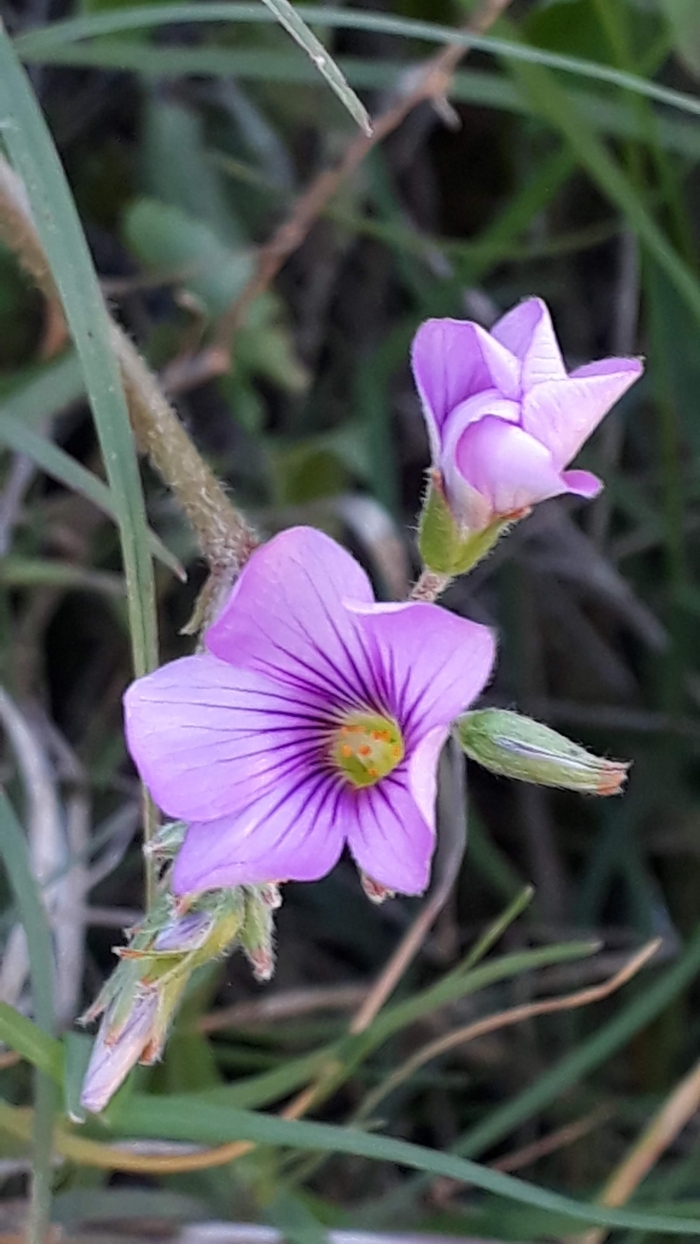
139,1000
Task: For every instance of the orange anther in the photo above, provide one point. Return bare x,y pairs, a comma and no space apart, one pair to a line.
377,734
396,752
364,750
346,750
373,773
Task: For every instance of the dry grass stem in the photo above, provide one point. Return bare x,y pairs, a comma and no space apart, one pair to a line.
665,1127
286,1005
506,1019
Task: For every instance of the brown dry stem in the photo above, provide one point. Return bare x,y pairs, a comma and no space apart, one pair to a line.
506,1019
664,1128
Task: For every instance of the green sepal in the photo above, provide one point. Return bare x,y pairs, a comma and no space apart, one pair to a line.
444,546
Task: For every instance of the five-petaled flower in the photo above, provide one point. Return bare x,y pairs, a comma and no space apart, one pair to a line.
314,718
504,417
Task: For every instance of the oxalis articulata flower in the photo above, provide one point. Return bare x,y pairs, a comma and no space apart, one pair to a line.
314,718
505,419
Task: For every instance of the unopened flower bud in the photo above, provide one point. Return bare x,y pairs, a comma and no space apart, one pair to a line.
517,747
257,933
166,842
143,993
115,1052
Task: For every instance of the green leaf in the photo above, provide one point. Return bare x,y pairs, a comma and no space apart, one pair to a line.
31,571
59,465
34,157
684,19
188,251
206,1123
31,1042
13,849
78,1047
552,103
49,392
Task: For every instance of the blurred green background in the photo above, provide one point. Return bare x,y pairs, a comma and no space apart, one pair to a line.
185,145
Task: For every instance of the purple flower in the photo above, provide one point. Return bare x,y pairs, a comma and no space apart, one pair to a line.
314,718
504,417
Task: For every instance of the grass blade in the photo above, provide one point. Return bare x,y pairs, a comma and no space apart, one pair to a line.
69,30
288,17
34,157
178,1119
30,1041
13,848
590,1054
59,465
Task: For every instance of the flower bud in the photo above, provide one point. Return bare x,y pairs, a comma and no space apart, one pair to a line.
143,993
445,546
517,747
166,842
115,1053
256,934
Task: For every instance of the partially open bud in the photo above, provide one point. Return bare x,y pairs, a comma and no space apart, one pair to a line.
445,546
517,747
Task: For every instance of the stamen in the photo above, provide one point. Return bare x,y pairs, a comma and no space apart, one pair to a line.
366,747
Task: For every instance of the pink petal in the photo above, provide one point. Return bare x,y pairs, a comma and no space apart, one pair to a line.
562,414
390,827
286,617
110,1063
292,832
453,360
528,332
507,467
430,663
489,402
582,483
205,737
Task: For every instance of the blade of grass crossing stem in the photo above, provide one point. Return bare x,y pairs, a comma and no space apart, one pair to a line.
70,30
13,847
34,157
179,1118
288,17
590,1054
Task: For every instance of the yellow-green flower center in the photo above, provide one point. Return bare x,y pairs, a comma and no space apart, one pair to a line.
366,747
